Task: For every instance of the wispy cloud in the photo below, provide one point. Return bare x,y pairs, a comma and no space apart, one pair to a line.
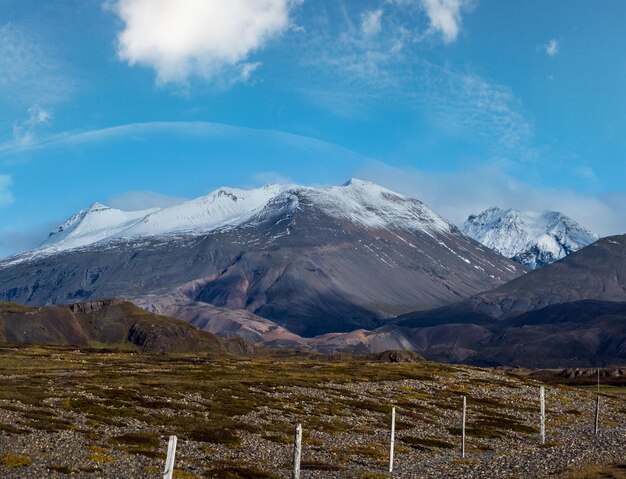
445,17
470,106
33,80
359,74
458,194
137,131
6,196
24,132
203,38
551,48
371,22
30,72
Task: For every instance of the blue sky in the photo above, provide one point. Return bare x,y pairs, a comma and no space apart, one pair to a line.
463,104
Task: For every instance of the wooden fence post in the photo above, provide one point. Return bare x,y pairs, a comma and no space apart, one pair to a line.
393,437
171,454
597,422
463,428
297,452
542,401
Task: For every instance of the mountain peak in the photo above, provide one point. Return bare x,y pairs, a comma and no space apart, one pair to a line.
359,182
94,208
533,238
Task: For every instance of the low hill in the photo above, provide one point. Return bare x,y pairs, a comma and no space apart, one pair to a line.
110,324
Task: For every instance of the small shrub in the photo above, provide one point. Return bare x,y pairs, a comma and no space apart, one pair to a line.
61,469
426,443
15,460
320,466
178,474
241,473
214,435
144,440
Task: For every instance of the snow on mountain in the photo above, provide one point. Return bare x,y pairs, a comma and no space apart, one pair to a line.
371,205
532,238
223,207
357,201
91,225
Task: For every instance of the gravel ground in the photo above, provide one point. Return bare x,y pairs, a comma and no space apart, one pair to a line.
346,433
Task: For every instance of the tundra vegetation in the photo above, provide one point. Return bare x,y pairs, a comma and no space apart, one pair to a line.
109,413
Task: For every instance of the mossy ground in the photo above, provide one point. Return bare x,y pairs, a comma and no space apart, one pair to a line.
124,405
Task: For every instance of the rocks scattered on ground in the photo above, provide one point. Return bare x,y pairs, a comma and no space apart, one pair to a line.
110,415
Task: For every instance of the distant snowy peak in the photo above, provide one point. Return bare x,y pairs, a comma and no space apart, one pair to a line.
534,239
360,202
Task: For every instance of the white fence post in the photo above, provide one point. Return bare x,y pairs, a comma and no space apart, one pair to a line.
297,452
597,425
463,428
542,400
169,462
393,438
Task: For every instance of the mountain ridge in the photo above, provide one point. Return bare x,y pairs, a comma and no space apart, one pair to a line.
311,260
231,207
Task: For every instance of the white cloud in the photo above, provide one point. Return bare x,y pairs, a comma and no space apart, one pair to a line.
247,69
6,196
142,200
445,16
551,48
458,194
25,132
371,22
180,39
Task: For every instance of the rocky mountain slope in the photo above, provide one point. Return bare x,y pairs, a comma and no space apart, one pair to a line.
112,324
597,272
570,313
534,239
308,260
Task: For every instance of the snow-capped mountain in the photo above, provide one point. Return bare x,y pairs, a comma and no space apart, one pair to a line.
358,201
307,260
531,238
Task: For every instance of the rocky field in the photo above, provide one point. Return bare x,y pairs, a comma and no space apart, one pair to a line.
108,414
